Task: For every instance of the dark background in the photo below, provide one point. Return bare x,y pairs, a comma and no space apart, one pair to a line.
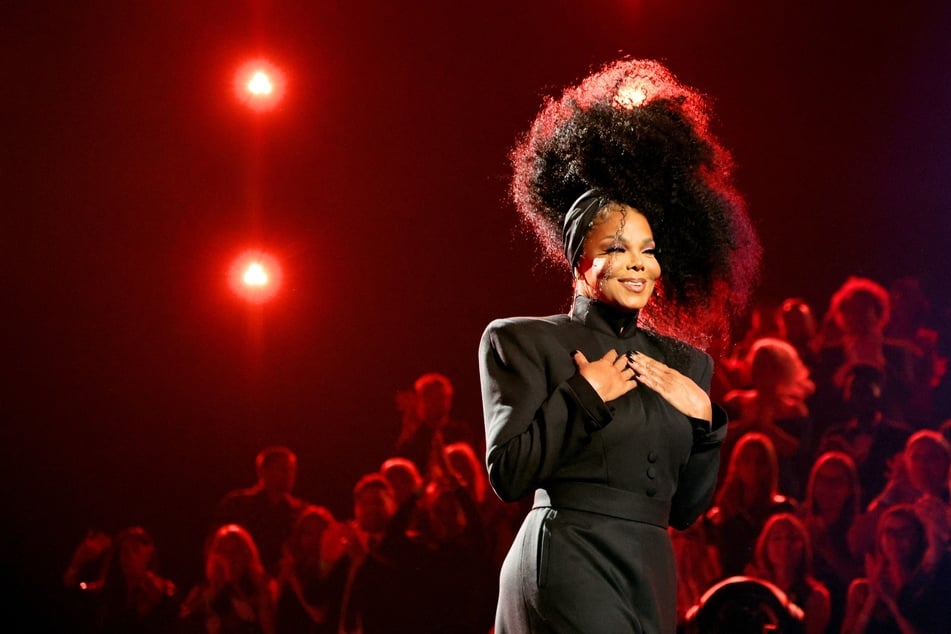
138,388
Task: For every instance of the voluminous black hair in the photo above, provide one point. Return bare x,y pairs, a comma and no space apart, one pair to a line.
642,138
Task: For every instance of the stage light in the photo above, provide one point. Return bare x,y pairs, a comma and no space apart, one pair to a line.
255,276
260,85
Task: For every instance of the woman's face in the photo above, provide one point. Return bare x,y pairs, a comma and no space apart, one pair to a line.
927,466
311,534
784,545
134,557
233,552
832,488
899,539
753,467
618,266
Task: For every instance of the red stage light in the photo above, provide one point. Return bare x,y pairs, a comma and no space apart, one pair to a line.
259,84
255,276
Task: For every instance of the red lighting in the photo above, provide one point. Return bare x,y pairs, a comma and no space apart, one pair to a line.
255,276
259,84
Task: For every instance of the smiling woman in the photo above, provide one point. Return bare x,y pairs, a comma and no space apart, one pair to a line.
607,422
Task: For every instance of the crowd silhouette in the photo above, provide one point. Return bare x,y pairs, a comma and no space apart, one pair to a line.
832,512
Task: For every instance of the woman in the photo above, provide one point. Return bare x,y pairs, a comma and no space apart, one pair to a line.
236,597
831,505
898,594
130,596
784,558
312,577
607,421
749,496
775,405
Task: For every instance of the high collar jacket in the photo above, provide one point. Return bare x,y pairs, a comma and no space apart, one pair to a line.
546,428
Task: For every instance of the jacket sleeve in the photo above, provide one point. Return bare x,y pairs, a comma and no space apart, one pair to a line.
698,477
531,425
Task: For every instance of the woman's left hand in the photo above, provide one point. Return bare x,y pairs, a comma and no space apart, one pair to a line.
680,391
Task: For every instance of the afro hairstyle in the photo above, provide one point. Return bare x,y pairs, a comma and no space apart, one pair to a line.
637,134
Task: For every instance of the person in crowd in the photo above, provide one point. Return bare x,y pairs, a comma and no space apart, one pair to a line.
870,438
386,586
784,557
910,323
267,510
829,510
748,497
460,593
501,520
427,423
897,593
129,597
236,596
775,406
698,566
606,420
312,577
797,325
921,471
853,334
404,478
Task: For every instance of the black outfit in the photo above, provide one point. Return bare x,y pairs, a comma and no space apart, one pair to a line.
594,554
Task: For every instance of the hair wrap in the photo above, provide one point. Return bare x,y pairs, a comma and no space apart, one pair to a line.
578,220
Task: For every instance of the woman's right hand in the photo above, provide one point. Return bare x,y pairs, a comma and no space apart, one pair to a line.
610,376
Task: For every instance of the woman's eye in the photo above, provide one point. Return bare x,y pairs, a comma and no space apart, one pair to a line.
614,248
650,251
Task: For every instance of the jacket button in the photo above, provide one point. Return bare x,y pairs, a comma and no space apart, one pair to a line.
651,491
652,456
651,472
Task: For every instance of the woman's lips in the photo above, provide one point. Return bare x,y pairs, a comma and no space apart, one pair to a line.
634,285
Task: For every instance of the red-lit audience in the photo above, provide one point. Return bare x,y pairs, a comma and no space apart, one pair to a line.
834,491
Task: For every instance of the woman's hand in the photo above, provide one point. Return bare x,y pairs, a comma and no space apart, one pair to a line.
680,391
610,375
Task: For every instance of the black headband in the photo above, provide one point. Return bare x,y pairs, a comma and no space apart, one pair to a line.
578,220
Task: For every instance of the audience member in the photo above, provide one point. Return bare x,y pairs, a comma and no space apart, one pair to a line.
797,325
775,407
266,510
385,589
427,425
749,496
460,589
870,438
854,334
831,505
312,577
897,593
236,596
129,597
784,558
